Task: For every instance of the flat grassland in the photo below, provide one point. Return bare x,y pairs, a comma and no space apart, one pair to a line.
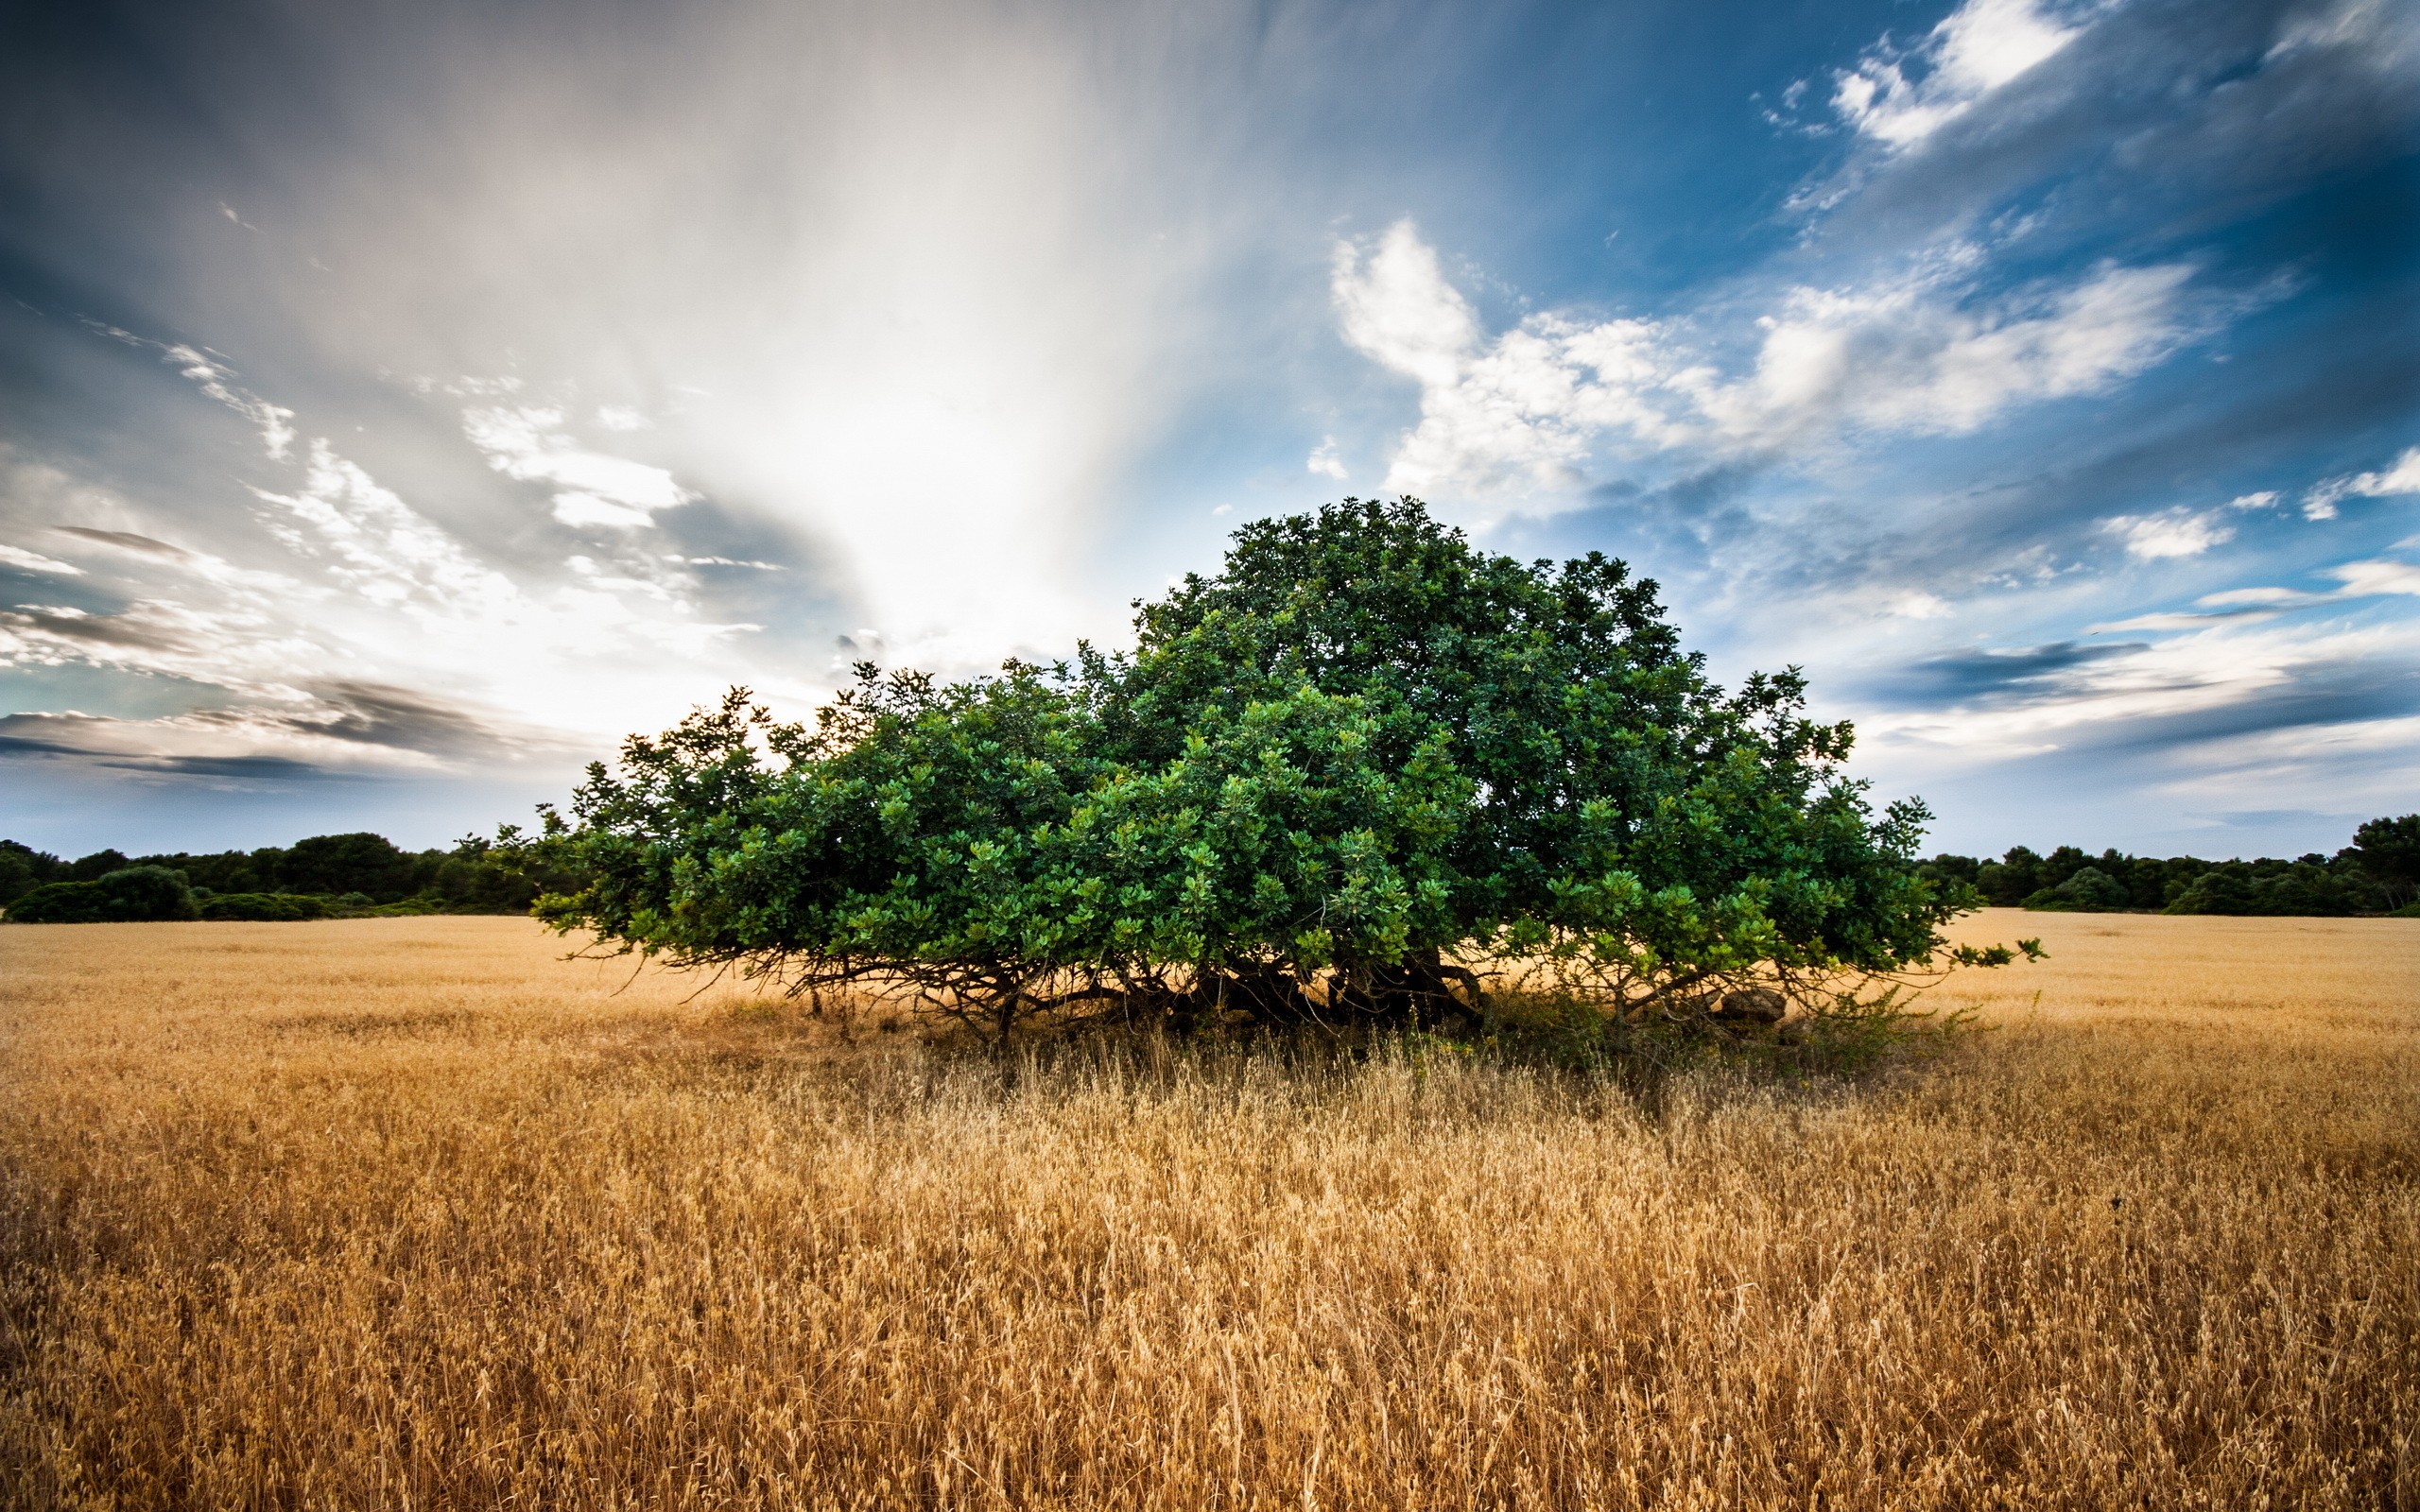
412,1212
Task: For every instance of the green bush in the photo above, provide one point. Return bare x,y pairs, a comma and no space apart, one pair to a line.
266,908
2299,890
2088,891
1362,777
127,893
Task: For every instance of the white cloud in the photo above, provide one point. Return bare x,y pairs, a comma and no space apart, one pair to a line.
2266,499
1523,417
217,380
2256,598
1512,418
1911,355
2378,578
1399,309
2178,532
622,417
1323,460
380,547
727,561
2362,580
34,562
1918,605
1901,96
277,435
596,488
2401,477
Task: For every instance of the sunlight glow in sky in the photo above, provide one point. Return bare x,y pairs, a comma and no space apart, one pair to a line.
401,402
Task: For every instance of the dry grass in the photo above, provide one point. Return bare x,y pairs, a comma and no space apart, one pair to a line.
408,1213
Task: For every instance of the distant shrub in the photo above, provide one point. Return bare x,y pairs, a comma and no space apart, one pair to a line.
2089,891
2301,890
129,894
263,907
361,863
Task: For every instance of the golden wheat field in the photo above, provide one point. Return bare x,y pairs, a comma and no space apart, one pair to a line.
411,1213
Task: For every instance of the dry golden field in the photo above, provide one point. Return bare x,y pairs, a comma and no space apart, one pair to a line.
410,1213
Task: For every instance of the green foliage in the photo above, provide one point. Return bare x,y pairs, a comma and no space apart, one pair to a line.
1354,777
127,893
2087,890
2389,850
263,907
2301,888
99,864
23,868
337,864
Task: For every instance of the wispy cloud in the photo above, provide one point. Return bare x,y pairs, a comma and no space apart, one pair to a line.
381,547
34,562
1901,95
594,488
216,379
2401,477
2179,532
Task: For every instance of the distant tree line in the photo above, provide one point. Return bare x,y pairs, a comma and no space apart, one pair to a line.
326,876
2379,874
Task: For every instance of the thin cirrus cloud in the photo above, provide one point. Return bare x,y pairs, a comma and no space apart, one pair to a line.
2402,476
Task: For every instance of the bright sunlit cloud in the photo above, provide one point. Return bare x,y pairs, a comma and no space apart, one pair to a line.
1523,417
1903,95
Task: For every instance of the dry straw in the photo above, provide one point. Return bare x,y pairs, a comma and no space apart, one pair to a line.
412,1213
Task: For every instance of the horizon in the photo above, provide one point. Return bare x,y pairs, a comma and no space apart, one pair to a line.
399,407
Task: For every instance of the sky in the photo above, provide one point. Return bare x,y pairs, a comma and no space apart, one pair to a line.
402,403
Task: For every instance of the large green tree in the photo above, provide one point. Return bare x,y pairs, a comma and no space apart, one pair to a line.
1344,777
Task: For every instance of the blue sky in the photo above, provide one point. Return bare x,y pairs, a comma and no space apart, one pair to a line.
398,404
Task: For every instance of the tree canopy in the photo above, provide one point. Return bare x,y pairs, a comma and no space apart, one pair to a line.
1341,778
